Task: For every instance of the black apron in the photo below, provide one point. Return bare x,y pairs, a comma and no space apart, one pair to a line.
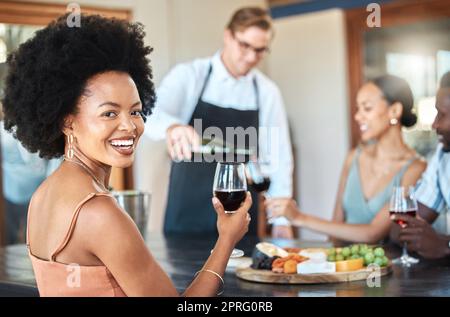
189,208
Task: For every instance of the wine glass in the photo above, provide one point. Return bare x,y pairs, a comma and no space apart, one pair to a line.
230,187
260,181
403,202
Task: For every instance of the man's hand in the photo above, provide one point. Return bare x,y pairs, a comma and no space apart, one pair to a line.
181,140
421,238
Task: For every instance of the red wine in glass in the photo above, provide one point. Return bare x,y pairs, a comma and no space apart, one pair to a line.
260,182
409,212
262,186
230,199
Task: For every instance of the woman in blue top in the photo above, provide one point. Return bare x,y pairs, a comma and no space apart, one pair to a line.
371,170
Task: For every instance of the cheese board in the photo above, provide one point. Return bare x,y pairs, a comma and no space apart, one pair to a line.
272,264
266,276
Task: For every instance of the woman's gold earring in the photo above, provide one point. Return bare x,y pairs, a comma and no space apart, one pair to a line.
393,121
70,143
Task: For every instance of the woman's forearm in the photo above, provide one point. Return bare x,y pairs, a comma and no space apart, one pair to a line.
207,283
363,233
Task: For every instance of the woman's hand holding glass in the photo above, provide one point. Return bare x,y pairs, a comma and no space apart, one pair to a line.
230,196
233,226
284,207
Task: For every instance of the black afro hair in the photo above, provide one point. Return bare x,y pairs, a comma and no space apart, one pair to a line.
48,73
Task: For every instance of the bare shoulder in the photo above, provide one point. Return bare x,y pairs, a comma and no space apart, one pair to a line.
418,166
103,211
66,184
414,171
350,157
105,230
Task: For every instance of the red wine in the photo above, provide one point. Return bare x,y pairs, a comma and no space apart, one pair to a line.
411,212
263,186
231,200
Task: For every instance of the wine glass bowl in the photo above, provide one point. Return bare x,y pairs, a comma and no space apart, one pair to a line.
260,181
230,187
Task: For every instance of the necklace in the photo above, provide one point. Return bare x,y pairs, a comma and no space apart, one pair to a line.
387,170
89,171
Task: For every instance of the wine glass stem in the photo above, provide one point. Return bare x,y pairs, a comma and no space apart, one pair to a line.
405,250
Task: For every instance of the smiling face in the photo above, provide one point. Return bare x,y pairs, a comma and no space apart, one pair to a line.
108,124
442,121
374,113
245,49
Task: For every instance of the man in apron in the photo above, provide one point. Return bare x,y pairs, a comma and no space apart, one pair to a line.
223,91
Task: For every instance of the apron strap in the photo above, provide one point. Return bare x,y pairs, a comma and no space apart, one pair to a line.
208,75
255,85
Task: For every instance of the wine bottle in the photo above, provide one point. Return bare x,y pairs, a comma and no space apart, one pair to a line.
221,151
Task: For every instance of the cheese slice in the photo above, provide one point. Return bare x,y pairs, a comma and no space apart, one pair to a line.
316,255
315,267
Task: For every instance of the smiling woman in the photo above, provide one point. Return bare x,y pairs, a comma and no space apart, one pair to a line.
84,92
109,119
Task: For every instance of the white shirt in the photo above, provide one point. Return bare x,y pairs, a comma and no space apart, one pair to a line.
433,188
177,98
23,171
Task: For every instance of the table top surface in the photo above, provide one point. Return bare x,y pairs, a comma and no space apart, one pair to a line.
182,256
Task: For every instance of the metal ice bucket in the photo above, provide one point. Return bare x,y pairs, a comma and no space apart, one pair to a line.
136,204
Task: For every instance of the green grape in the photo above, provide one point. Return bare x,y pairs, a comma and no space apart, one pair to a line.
345,252
339,257
354,249
355,256
363,249
385,261
378,261
369,258
331,258
332,251
379,252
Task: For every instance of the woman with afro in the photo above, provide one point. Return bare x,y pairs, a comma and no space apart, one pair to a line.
84,92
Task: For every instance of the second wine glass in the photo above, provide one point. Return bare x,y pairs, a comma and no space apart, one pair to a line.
403,202
260,181
230,187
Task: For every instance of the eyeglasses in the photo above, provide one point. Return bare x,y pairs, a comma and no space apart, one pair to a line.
246,48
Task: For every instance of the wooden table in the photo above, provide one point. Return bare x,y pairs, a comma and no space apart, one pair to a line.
182,256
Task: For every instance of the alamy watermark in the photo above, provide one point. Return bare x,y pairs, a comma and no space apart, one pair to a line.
374,278
238,144
374,18
74,17
73,279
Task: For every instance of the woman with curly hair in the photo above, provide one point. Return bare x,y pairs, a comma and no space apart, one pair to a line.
84,92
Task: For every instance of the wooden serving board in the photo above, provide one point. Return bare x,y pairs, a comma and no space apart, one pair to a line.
266,276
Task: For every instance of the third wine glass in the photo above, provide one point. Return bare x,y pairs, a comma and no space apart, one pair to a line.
403,202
